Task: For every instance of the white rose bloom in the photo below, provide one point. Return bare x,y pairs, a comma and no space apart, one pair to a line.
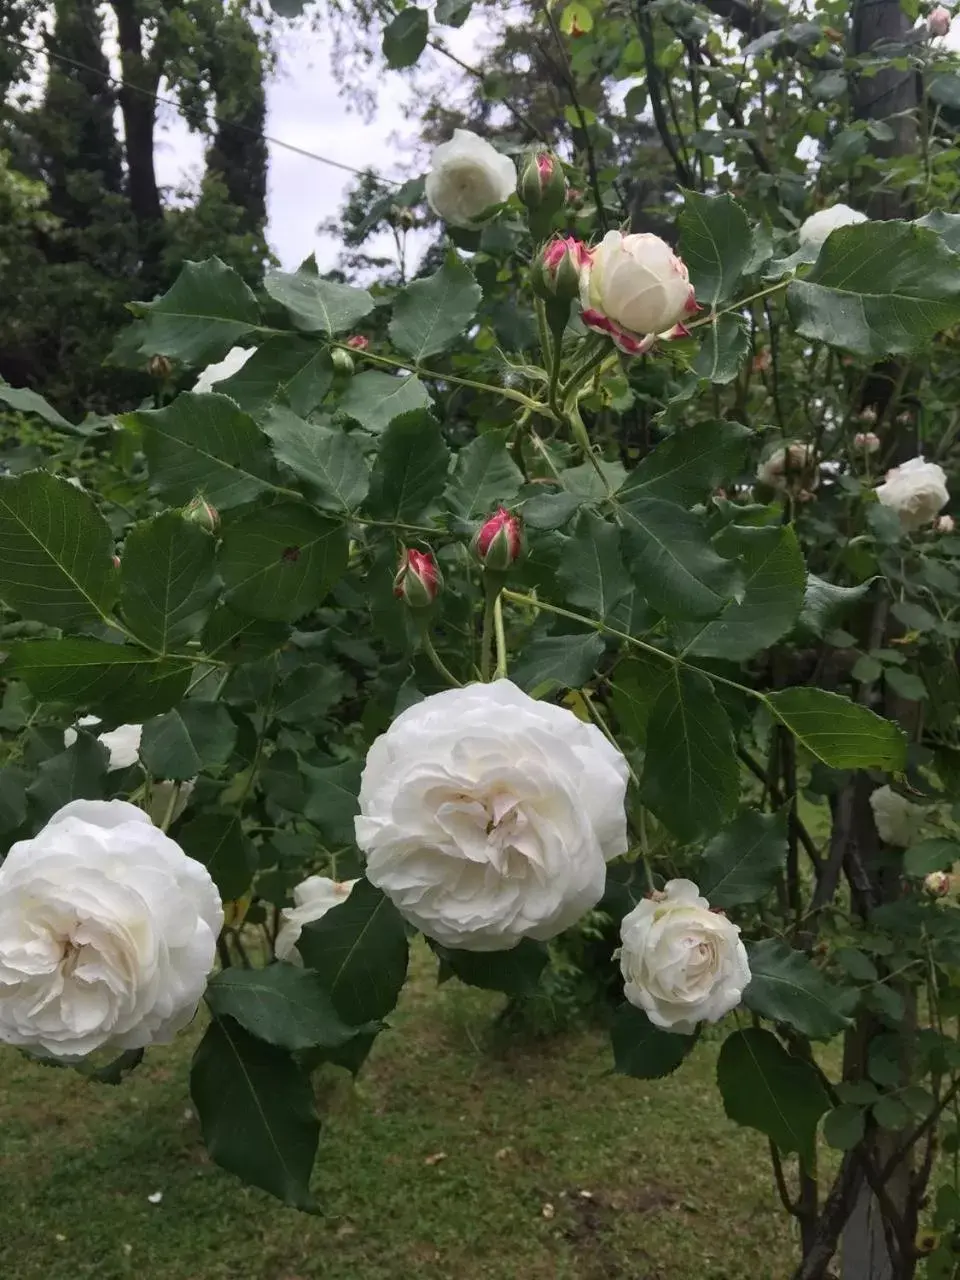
793,466
231,363
488,817
635,286
107,933
123,743
896,819
815,229
313,898
681,962
916,490
467,177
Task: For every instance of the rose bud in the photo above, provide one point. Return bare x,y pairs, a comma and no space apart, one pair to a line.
418,580
199,511
342,360
937,884
945,524
542,188
556,271
159,367
938,22
498,543
358,342
868,441
636,288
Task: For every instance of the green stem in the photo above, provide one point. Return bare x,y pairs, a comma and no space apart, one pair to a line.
546,347
438,662
740,303
579,432
501,671
171,806
491,597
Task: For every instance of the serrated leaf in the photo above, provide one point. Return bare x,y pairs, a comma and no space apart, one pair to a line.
567,661
316,305
167,750
688,464
769,603
430,315
636,685
785,987
725,345
411,469
279,563
256,1111
691,781
376,399
217,840
328,460
766,1088
841,733
824,603
484,475
119,681
935,854
515,972
167,580
204,444
642,1050
283,1004
23,400
715,243
405,38
233,637
286,366
359,949
878,289
207,309
78,773
592,574
56,552
742,862
331,803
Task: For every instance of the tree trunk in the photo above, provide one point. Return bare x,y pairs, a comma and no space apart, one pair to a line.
140,80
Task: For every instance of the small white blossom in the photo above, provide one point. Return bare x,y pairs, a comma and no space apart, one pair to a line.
916,490
468,177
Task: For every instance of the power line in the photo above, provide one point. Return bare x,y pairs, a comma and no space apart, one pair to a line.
218,120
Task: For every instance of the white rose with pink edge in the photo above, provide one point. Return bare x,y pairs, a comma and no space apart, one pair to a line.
634,288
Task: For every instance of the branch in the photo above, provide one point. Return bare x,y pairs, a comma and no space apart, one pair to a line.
836,1211
645,27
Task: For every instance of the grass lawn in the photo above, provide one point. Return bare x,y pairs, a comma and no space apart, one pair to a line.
451,1159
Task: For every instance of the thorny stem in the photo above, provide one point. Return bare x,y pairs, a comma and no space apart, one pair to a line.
438,662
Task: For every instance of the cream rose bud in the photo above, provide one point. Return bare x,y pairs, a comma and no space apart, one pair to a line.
897,820
916,490
231,363
488,817
633,287
312,899
467,178
123,743
938,22
107,933
681,962
945,524
790,467
815,229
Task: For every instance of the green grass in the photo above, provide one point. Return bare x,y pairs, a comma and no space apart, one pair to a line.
552,1168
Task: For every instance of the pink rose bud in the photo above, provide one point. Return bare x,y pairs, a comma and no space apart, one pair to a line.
498,543
869,414
542,187
938,22
937,884
868,441
556,272
199,511
418,580
945,524
116,561
358,342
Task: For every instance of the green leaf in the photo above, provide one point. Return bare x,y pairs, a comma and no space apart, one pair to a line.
14,781
256,1111
431,315
592,574
411,469
307,694
118,681
331,803
359,949
637,683
212,731
715,243
285,366
167,580
166,748
823,603
785,987
691,781
691,462
204,313
329,461
23,400
285,1005
567,661
642,1050
218,842
484,475
375,399
675,568
405,38
453,13
204,444
935,854
765,1088
233,637
878,289
843,1127
742,862
79,773
946,225
317,305
905,684
726,343
515,972
56,552
771,598
279,563
841,733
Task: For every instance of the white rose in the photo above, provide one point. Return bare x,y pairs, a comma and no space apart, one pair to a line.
633,287
488,817
107,933
916,490
945,524
818,226
123,743
313,898
896,819
681,962
793,466
468,177
231,363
